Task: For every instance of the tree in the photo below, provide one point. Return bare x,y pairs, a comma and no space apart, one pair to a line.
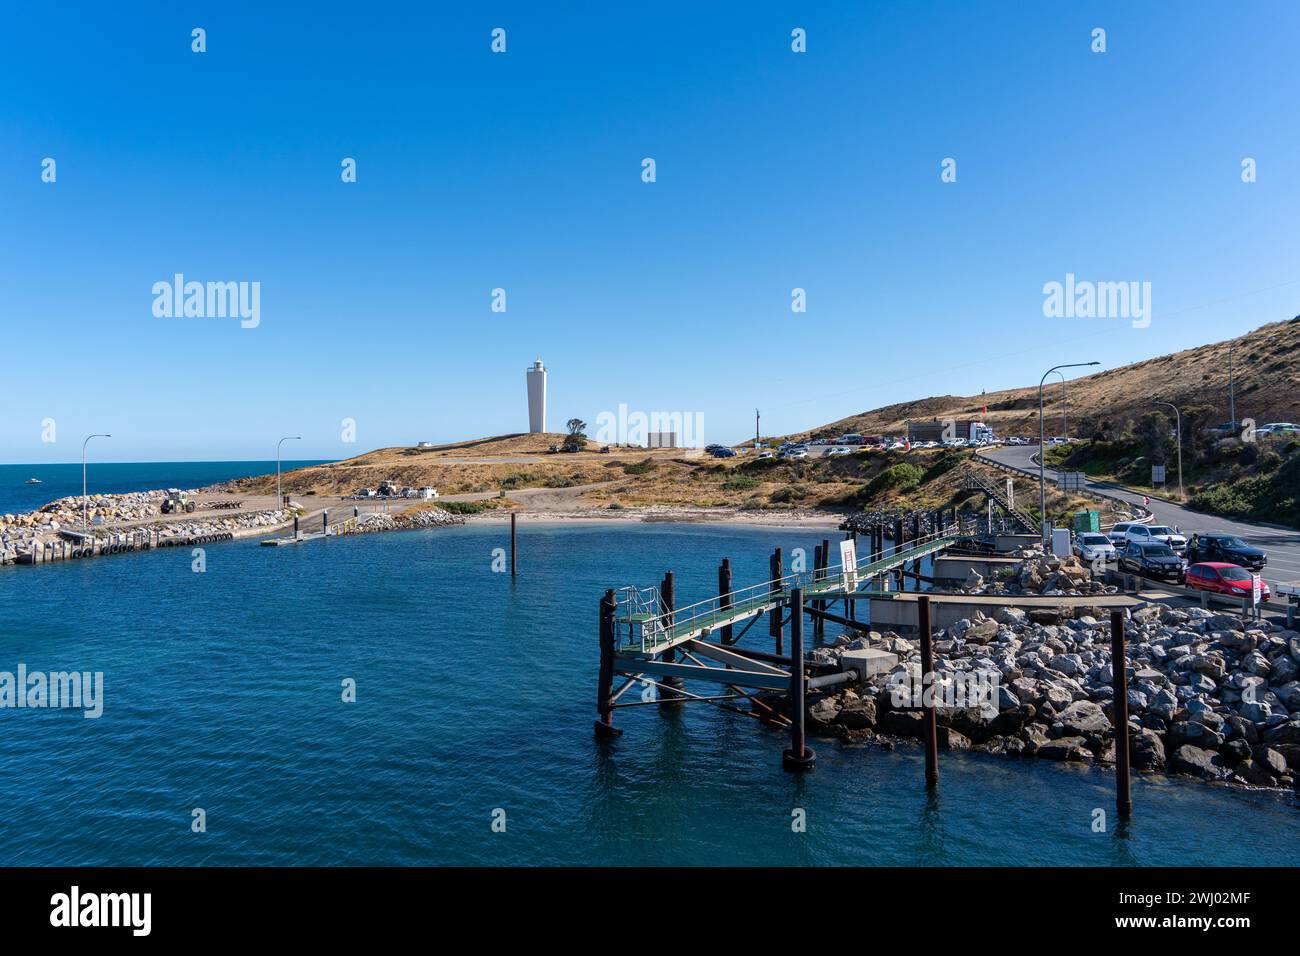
577,428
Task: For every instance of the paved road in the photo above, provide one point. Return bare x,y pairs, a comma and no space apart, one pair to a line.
1283,547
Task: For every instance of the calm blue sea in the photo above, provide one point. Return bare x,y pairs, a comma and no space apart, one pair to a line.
58,481
476,694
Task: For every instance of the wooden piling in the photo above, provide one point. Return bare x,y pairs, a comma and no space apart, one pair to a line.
605,688
1119,713
929,722
898,535
819,562
775,569
724,595
669,699
514,522
800,756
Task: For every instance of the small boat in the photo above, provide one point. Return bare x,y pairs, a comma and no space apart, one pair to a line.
33,481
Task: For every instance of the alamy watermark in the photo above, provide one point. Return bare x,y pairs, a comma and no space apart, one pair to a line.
210,300
1084,299
684,430
959,691
65,690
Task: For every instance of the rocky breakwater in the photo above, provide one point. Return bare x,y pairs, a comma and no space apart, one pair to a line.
1210,695
383,521
20,533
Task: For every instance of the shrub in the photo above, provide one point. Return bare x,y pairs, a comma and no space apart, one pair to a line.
741,483
642,467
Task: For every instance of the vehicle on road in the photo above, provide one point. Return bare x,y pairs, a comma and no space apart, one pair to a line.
1158,533
836,452
1152,561
1225,547
722,452
176,502
1118,532
1093,546
766,454
793,453
1223,578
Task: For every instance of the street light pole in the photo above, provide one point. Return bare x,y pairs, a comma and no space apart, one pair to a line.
279,495
1178,418
1042,446
83,477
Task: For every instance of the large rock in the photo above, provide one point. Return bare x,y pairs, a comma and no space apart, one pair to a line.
858,715
1147,750
1083,718
1197,762
1065,748
901,723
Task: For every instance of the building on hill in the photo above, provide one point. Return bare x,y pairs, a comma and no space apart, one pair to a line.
536,377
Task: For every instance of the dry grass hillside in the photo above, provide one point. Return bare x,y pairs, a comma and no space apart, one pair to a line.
1266,365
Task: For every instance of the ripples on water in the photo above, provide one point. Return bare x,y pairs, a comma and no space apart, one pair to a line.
475,693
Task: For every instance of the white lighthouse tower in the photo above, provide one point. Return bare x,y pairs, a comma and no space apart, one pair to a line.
537,397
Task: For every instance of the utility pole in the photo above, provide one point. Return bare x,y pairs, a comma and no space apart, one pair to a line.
756,418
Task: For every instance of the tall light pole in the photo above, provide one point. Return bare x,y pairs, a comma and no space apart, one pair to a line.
1232,397
279,496
756,420
83,477
1042,448
1178,418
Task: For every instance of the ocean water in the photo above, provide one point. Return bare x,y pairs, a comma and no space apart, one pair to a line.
475,697
119,477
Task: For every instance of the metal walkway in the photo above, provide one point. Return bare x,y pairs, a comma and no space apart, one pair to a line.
644,626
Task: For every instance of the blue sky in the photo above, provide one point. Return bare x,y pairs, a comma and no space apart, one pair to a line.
775,170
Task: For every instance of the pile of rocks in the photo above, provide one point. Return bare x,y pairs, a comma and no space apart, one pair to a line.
1210,695
1042,573
383,521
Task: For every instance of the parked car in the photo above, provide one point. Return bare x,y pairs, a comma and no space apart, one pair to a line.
1117,533
1223,578
1152,561
1170,536
836,452
766,454
722,452
1156,533
1092,545
795,453
1225,547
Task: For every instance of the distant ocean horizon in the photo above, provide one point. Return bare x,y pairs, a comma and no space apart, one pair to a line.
121,477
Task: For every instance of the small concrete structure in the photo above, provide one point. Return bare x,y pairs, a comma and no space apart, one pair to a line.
899,610
1003,543
958,569
868,662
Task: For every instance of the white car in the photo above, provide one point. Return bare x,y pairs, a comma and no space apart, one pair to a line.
1156,534
1118,533
835,452
795,453
765,454
1092,546
1278,428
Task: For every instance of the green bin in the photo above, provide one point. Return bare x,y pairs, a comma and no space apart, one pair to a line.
1086,521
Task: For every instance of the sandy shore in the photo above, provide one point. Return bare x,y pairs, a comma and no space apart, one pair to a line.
668,514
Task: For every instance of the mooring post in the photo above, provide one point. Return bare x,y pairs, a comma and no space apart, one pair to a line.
295,524
325,522
799,756
1119,712
929,722
819,562
724,595
514,520
605,684
669,699
775,569
916,526
898,535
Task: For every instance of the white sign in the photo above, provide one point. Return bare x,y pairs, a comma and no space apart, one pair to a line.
1256,591
1011,492
1157,474
849,563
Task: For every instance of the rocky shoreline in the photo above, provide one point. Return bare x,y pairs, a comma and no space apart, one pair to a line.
1210,695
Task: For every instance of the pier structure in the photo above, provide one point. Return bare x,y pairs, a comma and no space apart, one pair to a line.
647,641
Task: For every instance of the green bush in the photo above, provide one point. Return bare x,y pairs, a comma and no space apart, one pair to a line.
642,467
898,477
741,483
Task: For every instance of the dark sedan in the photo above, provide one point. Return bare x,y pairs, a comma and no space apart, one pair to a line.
1226,548
1152,561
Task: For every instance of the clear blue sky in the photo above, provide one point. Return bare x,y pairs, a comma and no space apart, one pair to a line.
522,171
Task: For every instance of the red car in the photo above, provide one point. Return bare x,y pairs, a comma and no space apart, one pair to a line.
1222,578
